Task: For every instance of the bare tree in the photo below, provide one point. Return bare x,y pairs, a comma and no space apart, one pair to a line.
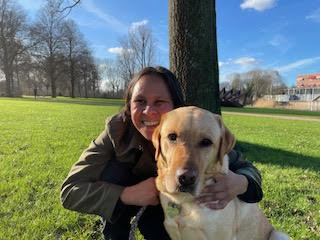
142,45
127,65
94,79
69,4
256,83
48,31
193,51
110,70
74,43
22,68
138,51
85,62
235,80
260,80
88,73
13,33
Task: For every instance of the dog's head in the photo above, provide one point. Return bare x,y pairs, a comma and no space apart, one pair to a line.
190,144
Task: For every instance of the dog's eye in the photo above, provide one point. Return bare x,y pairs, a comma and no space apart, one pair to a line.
205,142
172,137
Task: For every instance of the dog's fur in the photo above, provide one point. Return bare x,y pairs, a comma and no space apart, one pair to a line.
193,140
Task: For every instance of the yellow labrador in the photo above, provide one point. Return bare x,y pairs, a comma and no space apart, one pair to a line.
191,146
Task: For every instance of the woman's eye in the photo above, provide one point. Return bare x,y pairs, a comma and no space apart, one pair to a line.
159,102
140,101
205,142
172,137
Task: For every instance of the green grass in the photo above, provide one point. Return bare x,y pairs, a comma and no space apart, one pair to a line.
276,111
87,101
40,140
287,152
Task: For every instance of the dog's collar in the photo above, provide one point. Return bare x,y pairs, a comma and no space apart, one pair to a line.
173,209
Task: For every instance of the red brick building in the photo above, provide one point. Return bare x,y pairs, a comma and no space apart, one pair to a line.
308,80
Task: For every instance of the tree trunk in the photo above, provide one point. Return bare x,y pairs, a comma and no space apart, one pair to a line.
193,51
18,91
8,73
85,86
9,83
52,77
79,88
72,77
53,86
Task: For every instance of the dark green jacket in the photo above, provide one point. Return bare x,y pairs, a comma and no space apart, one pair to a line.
83,191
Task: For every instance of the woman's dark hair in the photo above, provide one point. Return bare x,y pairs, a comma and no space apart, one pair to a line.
170,80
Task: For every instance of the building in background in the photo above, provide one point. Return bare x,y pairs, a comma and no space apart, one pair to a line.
308,80
305,96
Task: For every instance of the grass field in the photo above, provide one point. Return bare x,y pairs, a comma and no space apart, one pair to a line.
40,140
273,111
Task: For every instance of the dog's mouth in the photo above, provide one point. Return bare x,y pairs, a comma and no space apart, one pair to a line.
189,189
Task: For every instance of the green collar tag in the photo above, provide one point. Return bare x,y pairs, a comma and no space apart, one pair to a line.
173,209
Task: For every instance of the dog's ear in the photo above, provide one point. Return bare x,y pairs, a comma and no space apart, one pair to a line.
156,141
227,140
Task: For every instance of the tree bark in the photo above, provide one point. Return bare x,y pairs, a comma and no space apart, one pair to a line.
9,83
193,51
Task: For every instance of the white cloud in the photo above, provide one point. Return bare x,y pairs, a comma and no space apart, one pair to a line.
225,63
238,65
298,64
221,63
280,42
111,21
243,62
116,50
315,16
259,5
135,25
277,40
246,61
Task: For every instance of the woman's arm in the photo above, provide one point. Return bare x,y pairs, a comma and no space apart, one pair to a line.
82,190
239,165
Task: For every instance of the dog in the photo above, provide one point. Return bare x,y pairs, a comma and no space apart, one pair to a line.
191,146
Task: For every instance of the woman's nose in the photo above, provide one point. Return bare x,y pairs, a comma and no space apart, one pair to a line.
150,110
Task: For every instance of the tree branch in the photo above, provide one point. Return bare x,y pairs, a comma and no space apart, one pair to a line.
76,2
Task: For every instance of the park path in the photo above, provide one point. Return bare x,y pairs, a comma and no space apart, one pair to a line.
275,116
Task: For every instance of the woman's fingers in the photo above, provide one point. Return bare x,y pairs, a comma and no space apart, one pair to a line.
217,205
210,197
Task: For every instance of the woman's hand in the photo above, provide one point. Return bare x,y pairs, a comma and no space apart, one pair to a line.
224,188
142,194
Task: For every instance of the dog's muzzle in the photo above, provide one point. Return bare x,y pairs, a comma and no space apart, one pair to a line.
186,179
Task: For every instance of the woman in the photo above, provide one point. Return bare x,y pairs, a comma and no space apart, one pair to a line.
115,175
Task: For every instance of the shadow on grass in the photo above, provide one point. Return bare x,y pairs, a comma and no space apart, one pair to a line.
262,154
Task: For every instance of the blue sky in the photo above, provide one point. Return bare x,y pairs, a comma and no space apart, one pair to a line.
268,34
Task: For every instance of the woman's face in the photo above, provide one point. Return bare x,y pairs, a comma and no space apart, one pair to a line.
150,99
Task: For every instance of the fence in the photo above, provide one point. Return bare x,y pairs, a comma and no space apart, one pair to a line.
290,102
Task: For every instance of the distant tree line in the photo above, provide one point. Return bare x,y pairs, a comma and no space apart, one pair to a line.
49,55
255,84
52,56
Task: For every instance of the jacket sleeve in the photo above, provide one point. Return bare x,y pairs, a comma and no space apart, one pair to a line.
83,191
239,165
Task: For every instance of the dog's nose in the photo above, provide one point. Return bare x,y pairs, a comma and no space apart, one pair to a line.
186,176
